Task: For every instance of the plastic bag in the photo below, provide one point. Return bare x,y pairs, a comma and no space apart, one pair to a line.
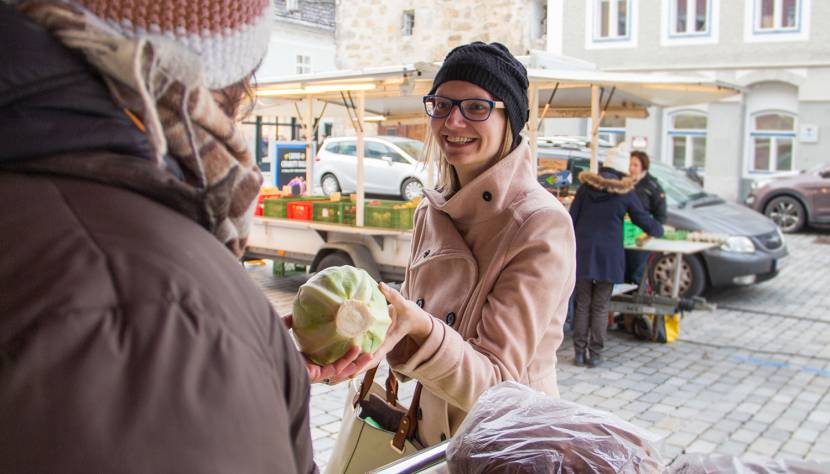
725,464
515,429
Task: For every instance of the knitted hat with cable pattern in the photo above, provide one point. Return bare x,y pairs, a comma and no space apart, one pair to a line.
229,36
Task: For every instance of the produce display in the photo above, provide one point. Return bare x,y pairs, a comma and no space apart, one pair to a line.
513,428
336,309
339,210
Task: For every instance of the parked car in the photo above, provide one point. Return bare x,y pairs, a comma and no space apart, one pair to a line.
391,166
794,201
752,253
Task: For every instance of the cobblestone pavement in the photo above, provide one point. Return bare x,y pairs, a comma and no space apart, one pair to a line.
751,378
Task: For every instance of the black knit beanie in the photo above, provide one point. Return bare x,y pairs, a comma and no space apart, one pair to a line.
494,69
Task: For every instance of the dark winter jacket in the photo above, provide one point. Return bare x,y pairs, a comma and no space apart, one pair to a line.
131,340
652,197
598,210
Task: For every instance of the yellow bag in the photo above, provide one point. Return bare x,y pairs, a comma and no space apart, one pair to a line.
665,327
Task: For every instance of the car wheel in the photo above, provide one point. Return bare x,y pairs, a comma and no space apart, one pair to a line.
334,259
411,188
692,276
787,212
329,184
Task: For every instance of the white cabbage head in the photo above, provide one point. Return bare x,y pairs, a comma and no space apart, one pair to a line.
336,309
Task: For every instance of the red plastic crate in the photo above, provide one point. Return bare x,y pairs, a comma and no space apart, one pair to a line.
259,202
301,210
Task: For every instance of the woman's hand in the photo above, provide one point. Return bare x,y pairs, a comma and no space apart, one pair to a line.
408,319
327,373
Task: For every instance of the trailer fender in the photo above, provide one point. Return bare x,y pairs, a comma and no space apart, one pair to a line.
358,253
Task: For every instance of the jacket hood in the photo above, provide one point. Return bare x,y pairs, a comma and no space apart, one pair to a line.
52,102
606,183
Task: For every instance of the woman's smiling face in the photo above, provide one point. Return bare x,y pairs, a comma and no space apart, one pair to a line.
469,146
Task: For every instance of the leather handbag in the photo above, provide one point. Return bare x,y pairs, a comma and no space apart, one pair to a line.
376,430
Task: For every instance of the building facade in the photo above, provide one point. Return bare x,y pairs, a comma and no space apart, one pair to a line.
390,32
778,51
302,38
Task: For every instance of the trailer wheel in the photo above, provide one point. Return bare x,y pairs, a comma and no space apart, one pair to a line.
692,276
334,259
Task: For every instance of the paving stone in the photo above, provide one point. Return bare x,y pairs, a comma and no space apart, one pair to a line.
732,448
714,435
701,446
744,436
796,448
765,446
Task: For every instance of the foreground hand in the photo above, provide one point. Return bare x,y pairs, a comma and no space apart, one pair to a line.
408,319
326,373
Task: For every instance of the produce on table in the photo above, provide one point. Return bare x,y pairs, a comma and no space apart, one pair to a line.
336,309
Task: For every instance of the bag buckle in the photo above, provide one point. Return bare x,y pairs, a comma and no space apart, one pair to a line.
395,448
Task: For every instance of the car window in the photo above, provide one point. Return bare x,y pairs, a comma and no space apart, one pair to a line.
396,157
347,148
679,188
412,148
376,150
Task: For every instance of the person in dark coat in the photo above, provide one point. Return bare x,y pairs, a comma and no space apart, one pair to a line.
131,339
653,198
598,211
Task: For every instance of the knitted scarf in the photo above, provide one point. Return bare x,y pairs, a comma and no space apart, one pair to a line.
161,85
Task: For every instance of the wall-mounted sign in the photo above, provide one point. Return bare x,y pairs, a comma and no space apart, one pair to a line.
808,133
639,143
289,161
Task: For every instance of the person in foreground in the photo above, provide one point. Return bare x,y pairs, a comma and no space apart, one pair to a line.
131,340
492,261
598,211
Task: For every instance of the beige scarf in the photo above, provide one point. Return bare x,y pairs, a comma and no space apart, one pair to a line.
162,83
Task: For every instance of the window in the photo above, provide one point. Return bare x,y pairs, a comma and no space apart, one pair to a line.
776,15
611,19
292,5
612,130
376,150
408,22
687,140
303,64
689,17
773,140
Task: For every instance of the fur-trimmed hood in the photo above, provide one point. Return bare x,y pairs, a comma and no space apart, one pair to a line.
603,181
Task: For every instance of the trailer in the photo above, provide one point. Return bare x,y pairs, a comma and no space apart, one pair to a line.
393,95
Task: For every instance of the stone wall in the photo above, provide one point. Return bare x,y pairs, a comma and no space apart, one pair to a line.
369,32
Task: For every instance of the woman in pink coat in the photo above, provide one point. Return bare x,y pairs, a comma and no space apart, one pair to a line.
493,255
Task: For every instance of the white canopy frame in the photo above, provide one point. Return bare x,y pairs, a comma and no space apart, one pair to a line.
393,94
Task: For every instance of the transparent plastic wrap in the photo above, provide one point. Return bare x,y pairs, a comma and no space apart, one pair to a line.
515,429
725,464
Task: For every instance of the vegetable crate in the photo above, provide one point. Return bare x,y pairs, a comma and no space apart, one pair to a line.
630,233
337,212
279,207
389,214
301,210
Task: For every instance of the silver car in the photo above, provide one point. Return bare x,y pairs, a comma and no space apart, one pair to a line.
390,167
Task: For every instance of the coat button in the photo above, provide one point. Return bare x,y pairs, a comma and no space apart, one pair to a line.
443,437
420,302
426,254
450,318
487,196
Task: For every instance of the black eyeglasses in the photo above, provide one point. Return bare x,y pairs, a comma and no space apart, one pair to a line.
476,110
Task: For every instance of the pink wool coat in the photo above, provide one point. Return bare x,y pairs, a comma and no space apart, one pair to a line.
494,265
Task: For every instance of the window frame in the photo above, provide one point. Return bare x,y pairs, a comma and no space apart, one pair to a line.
774,136
752,17
302,63
688,134
669,37
408,27
593,25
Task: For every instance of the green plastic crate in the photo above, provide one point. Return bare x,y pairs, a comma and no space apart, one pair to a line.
278,207
386,215
676,234
630,233
337,212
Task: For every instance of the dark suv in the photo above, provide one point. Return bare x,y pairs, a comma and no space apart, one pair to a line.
794,201
751,254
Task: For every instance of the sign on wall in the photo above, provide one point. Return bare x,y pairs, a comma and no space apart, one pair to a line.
290,161
639,143
808,133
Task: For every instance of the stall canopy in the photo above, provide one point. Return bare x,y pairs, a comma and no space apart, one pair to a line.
393,95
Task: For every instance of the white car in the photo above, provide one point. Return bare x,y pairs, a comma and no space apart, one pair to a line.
390,166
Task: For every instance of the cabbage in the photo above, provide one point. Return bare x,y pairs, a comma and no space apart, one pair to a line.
336,309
